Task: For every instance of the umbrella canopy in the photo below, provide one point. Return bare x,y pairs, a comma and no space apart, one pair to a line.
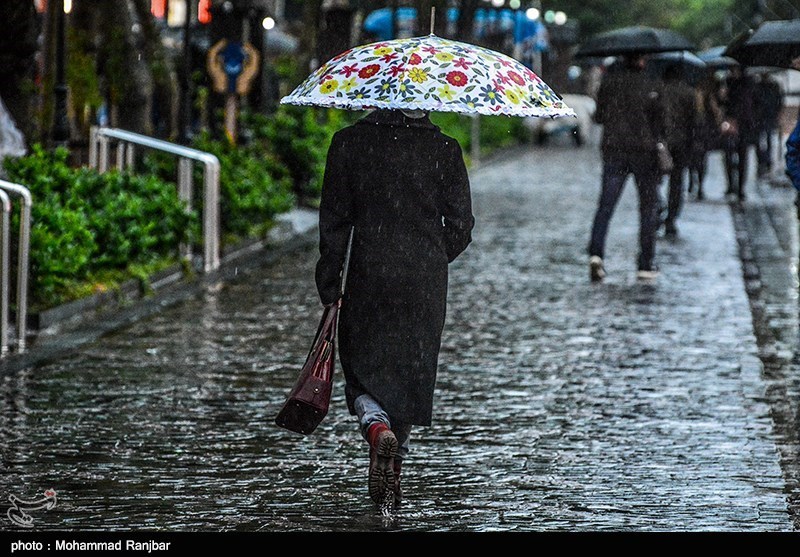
774,43
690,65
634,40
429,73
715,58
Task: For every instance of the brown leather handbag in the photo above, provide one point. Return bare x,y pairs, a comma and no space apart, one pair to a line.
308,401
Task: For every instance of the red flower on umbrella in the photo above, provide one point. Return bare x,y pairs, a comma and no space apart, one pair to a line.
462,63
389,57
430,49
457,78
341,55
397,70
415,59
516,78
368,71
348,70
325,78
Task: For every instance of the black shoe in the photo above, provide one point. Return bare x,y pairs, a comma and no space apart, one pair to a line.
670,231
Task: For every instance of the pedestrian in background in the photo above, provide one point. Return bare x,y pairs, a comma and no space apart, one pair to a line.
630,106
769,102
793,156
793,149
740,129
403,187
681,114
707,134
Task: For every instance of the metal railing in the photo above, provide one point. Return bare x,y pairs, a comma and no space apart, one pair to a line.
99,157
23,256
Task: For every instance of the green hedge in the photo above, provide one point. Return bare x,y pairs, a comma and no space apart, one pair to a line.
89,230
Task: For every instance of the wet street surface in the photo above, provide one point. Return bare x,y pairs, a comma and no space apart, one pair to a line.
561,404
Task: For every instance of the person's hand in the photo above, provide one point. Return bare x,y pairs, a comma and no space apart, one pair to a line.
728,127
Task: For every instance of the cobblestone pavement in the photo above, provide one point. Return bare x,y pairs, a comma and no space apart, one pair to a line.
768,234
561,404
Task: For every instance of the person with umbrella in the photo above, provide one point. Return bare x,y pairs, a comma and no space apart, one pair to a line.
680,122
402,186
630,106
740,128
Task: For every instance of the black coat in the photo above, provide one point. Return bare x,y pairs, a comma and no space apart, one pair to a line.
404,187
631,108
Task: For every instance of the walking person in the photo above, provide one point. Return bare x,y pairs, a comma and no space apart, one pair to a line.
403,187
681,114
740,129
707,134
769,102
793,157
630,107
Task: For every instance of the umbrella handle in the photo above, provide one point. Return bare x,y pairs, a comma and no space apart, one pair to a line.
346,265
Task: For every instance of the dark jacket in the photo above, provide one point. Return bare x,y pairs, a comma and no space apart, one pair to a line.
631,109
741,107
681,114
404,187
793,156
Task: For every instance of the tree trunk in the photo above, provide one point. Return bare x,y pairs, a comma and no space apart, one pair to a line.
312,15
466,20
18,45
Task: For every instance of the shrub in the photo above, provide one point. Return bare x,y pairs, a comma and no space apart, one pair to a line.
84,223
299,137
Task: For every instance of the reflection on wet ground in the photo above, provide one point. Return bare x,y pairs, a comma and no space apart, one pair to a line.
561,404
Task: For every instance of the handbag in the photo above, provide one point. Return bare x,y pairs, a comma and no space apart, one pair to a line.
308,401
665,162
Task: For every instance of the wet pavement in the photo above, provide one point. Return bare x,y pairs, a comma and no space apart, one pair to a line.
561,404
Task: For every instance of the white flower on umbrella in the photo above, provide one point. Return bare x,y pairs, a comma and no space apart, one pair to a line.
429,73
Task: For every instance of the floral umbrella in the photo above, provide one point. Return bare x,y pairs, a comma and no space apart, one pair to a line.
429,73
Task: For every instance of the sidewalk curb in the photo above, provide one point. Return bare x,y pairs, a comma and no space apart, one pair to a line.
82,321
772,362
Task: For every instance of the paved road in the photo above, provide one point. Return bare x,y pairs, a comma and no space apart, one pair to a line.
561,404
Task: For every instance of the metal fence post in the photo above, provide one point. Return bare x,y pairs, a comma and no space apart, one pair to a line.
99,158
23,258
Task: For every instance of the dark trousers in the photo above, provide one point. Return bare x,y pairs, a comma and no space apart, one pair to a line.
680,157
764,149
646,176
736,149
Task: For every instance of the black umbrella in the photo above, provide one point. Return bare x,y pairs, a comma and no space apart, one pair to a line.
690,65
774,43
634,40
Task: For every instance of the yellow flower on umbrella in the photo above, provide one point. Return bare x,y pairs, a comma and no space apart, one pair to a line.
513,95
446,92
418,75
348,84
429,73
329,87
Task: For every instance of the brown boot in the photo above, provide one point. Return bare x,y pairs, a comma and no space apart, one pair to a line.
398,493
383,449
